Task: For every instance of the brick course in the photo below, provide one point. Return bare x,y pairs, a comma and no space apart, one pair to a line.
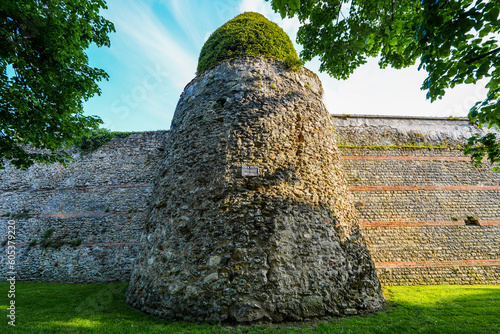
414,202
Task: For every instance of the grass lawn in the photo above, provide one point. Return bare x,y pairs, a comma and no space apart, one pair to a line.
100,308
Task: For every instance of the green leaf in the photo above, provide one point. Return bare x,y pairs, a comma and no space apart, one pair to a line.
294,4
492,15
469,80
483,69
485,31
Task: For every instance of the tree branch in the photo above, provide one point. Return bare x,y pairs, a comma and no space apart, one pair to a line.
470,61
338,14
392,10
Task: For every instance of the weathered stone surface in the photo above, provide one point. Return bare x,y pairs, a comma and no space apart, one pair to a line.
283,245
409,130
102,198
427,215
96,208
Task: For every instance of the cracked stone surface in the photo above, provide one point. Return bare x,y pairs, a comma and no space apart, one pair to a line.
283,245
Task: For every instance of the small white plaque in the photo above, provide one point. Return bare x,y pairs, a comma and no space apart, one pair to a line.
251,170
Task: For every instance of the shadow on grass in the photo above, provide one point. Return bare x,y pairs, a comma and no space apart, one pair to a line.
101,308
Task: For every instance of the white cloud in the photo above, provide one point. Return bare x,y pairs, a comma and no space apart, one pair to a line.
183,13
145,40
258,6
148,51
207,35
291,26
371,90
149,68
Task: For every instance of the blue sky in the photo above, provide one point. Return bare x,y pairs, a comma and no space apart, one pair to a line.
154,53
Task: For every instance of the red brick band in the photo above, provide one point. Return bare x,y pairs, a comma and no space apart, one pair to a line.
438,264
404,158
426,188
425,223
490,222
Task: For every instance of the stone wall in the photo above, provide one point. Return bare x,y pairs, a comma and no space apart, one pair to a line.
91,212
428,216
412,202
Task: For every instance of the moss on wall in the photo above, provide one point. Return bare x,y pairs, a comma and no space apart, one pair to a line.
248,34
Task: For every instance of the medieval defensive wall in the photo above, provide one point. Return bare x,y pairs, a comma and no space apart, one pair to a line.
427,215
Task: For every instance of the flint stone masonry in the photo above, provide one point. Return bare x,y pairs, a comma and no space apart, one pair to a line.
95,206
283,245
414,236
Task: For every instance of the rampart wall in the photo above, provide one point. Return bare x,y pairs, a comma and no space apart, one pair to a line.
427,215
91,212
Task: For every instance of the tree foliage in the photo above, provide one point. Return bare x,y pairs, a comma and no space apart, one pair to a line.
456,42
248,34
45,76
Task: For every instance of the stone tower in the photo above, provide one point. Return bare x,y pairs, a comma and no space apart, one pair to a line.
252,219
